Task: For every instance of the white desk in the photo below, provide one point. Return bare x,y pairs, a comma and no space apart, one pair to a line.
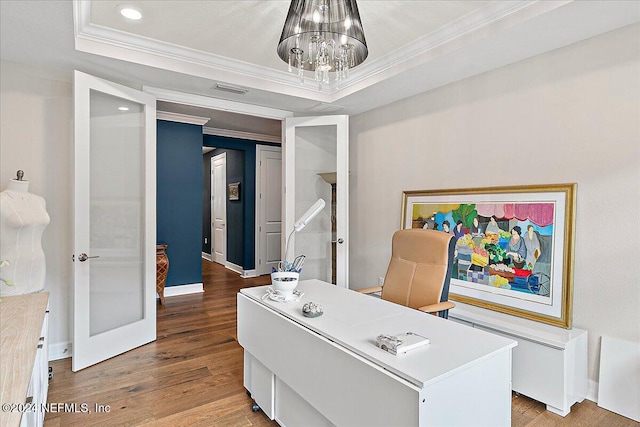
327,371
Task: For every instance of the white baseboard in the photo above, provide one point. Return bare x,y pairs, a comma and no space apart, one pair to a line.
234,267
249,273
59,350
193,288
207,256
241,271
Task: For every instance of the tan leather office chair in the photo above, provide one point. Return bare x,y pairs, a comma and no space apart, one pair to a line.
419,272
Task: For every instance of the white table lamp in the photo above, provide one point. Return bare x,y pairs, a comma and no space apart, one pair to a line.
304,220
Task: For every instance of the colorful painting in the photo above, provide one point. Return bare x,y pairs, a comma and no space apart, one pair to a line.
514,246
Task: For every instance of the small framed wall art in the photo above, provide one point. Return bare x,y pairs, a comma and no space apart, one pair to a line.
234,191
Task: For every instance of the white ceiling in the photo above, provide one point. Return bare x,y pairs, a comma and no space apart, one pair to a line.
249,30
189,46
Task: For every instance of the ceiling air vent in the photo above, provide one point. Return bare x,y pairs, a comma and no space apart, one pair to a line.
230,89
325,108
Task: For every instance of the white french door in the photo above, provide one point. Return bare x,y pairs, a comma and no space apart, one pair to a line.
114,299
316,153
268,207
219,208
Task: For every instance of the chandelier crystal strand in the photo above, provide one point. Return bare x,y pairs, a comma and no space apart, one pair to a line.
297,53
300,71
332,30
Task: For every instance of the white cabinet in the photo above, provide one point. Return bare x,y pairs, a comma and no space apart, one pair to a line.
24,366
549,363
39,384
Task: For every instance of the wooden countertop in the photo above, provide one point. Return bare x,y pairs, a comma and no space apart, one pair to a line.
21,320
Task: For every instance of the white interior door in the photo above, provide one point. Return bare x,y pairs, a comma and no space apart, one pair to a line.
219,208
269,204
316,153
115,220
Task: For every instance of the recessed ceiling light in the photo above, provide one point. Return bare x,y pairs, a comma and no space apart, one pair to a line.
123,108
130,12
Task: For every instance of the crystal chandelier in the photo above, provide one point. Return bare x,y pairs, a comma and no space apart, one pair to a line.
323,36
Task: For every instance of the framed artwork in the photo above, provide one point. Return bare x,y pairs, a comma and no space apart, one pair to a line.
514,245
234,191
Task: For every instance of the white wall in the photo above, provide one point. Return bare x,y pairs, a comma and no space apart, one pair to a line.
571,115
36,135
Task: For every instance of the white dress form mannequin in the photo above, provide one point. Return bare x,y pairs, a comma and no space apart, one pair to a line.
23,218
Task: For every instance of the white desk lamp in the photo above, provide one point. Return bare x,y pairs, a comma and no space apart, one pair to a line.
304,220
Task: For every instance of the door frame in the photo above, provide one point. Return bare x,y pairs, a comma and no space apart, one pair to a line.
168,95
259,234
341,122
215,158
257,111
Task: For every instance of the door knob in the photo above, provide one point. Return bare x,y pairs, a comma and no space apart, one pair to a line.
340,241
83,257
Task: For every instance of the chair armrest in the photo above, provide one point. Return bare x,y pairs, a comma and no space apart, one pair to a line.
371,290
434,308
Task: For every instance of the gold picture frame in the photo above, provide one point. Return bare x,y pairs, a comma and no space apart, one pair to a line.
514,245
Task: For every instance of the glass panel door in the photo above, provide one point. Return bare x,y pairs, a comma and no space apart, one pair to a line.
115,212
316,167
114,257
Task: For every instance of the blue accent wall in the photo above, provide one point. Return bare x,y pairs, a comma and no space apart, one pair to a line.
235,208
239,251
179,199
206,202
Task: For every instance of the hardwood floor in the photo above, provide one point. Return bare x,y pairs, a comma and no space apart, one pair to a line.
192,374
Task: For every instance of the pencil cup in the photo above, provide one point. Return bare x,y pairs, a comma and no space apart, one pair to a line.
284,282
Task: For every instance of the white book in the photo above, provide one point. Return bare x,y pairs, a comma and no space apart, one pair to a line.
401,343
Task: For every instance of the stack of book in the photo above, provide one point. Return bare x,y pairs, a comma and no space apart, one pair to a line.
401,343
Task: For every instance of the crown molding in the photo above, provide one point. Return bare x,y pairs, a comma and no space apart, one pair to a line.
241,135
478,19
216,103
181,118
138,49
99,40
464,31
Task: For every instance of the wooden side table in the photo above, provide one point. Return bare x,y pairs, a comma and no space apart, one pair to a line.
162,268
